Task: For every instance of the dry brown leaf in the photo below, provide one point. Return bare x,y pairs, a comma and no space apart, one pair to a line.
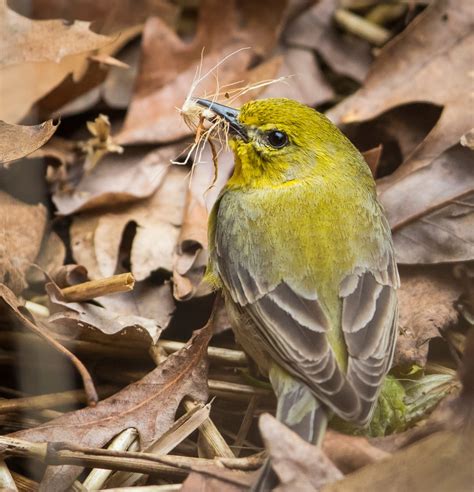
203,483
19,221
350,453
164,81
298,464
96,237
431,210
372,157
426,305
439,463
119,179
306,82
51,257
37,55
314,29
139,315
18,141
149,405
430,61
107,16
192,243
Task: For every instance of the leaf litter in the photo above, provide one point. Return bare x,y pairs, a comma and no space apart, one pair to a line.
134,213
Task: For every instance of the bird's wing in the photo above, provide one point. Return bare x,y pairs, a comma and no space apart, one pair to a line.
294,328
369,324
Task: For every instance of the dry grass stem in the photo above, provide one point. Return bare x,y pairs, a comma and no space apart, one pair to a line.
97,288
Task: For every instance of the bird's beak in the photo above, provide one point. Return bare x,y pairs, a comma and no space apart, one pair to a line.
230,115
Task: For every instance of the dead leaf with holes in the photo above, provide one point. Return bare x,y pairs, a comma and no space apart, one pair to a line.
149,405
164,81
96,237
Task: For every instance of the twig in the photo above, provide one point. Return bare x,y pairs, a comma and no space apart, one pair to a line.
245,426
89,387
178,466
97,477
97,288
216,354
361,27
48,401
210,433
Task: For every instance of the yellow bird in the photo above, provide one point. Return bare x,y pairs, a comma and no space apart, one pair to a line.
302,251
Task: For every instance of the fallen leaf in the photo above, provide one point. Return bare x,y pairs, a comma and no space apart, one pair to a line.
372,157
350,453
100,144
438,463
136,174
107,16
204,483
37,55
192,241
96,237
298,464
18,141
426,306
51,257
437,224
305,82
164,81
149,405
139,315
315,30
19,220
413,67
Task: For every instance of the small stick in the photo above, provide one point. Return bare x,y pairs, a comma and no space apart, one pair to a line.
245,426
97,477
97,288
210,433
216,354
361,27
178,466
47,401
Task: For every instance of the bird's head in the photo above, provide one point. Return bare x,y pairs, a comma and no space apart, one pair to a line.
276,141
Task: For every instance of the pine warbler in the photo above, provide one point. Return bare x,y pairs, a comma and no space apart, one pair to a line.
303,253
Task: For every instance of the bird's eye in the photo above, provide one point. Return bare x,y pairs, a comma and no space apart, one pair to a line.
277,139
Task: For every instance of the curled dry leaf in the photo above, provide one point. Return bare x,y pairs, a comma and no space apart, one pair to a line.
164,81
140,315
18,221
96,237
315,30
408,70
18,141
37,55
149,405
298,464
100,144
437,224
119,179
427,308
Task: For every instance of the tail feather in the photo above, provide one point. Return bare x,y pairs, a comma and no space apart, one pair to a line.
299,410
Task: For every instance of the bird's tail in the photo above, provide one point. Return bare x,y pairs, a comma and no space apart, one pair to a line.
299,410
